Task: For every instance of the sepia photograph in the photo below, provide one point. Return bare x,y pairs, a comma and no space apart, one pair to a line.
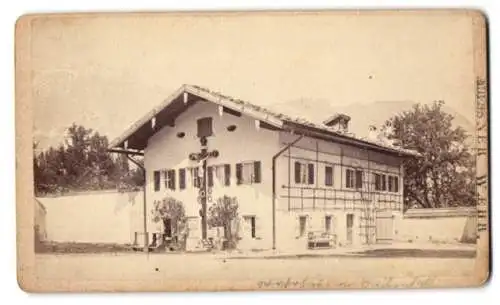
231,151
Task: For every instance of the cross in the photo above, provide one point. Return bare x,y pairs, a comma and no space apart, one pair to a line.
202,156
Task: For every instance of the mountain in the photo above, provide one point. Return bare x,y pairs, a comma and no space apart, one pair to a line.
362,115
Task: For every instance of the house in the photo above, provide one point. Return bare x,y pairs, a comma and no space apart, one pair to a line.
290,176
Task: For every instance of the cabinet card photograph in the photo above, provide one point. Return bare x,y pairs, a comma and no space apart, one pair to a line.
252,151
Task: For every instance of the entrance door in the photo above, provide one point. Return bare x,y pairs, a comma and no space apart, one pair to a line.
349,227
385,227
167,223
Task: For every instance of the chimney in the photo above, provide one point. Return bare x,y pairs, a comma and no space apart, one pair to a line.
338,122
372,133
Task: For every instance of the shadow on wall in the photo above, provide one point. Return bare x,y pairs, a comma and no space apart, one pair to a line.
122,204
469,235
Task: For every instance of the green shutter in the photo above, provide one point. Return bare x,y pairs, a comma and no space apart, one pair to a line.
310,173
359,179
256,172
157,177
238,173
182,178
227,174
297,171
172,179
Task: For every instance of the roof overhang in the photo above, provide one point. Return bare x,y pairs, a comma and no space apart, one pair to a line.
136,137
343,139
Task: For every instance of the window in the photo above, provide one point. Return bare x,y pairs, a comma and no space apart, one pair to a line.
248,172
380,182
349,178
218,175
304,173
156,177
205,128
302,225
393,184
169,179
354,178
328,224
328,175
194,179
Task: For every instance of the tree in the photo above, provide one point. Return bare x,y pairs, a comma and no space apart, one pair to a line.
83,163
172,209
222,214
444,175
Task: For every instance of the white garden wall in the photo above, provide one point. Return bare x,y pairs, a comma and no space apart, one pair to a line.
96,217
438,225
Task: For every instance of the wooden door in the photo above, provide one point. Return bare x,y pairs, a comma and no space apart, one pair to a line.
384,227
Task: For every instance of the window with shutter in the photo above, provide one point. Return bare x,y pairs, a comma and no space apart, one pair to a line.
328,175
393,184
218,174
194,179
156,178
182,178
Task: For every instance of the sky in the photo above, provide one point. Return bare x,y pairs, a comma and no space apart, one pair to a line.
105,72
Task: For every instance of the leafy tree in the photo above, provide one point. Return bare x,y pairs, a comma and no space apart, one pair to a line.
222,214
444,175
83,163
169,208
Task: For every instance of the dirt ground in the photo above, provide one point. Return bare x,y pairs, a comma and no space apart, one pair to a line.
199,271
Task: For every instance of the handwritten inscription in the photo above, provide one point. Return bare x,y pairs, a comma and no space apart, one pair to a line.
386,282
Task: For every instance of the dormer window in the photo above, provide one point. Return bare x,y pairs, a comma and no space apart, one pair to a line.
205,127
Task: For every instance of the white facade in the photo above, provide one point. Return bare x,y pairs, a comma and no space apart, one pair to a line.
317,202
166,151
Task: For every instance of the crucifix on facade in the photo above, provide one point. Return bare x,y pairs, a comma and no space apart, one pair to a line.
202,157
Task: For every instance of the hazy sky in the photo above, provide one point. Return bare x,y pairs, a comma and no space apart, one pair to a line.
106,72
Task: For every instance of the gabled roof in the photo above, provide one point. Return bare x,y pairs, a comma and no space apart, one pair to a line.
134,139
